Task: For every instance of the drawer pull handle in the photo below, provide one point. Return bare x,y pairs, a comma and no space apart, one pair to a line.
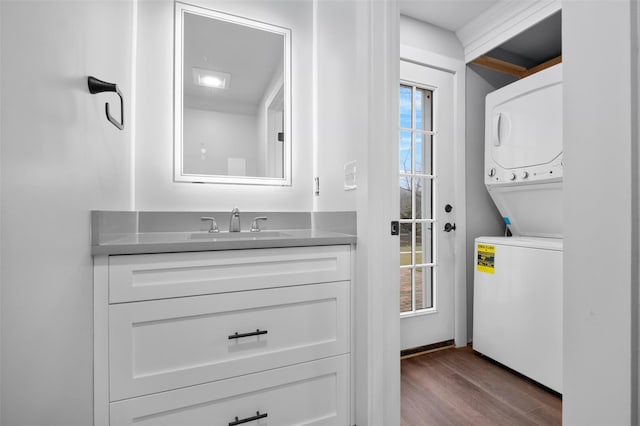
237,335
258,416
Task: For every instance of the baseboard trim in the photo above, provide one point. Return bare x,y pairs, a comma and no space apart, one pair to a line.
420,350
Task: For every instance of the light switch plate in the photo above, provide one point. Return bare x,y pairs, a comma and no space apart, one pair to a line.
350,176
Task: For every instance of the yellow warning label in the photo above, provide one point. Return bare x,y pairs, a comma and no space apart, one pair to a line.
486,258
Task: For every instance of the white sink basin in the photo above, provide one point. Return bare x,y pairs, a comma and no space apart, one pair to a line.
215,236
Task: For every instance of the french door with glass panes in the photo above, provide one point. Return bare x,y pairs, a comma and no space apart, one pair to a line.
426,194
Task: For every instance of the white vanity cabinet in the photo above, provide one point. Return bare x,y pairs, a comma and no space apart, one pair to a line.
256,337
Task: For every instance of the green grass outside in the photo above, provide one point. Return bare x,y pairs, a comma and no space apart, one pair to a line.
405,254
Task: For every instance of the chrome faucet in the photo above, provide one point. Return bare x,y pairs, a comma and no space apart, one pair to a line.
234,223
213,227
255,227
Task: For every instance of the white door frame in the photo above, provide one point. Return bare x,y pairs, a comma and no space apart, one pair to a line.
457,69
377,344
377,301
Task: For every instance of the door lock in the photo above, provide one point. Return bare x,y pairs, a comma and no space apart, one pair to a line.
448,208
449,227
395,227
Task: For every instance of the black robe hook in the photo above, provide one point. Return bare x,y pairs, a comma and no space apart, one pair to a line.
99,86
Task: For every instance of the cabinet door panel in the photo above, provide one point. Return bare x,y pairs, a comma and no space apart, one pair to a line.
166,344
314,393
157,276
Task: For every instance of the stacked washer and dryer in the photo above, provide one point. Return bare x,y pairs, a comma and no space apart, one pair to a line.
517,317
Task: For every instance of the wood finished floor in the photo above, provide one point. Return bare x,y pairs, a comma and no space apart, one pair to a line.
459,387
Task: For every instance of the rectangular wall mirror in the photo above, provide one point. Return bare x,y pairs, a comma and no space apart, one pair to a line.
232,101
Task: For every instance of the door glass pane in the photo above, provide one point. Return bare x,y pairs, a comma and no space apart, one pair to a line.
423,154
422,189
424,287
419,108
426,109
405,107
420,153
405,197
405,152
406,233
423,243
406,293
423,109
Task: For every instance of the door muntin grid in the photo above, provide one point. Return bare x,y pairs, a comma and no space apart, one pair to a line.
417,198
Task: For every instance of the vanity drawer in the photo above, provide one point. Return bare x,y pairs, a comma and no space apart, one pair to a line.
158,276
314,393
160,345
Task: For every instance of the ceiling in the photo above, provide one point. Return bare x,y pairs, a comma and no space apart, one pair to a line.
539,43
449,14
252,56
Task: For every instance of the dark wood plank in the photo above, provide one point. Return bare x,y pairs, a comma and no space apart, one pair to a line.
459,387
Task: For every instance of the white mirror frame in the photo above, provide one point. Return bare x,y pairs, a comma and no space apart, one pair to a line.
179,173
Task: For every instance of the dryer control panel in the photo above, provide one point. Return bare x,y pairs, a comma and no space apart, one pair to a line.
496,175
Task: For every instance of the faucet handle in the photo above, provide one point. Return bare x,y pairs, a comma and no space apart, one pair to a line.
214,225
255,227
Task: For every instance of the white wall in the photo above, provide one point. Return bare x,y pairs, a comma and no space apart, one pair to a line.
600,270
155,189
340,65
266,116
60,158
428,37
483,217
223,136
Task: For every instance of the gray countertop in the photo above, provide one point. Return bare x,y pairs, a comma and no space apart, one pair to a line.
171,242
134,232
